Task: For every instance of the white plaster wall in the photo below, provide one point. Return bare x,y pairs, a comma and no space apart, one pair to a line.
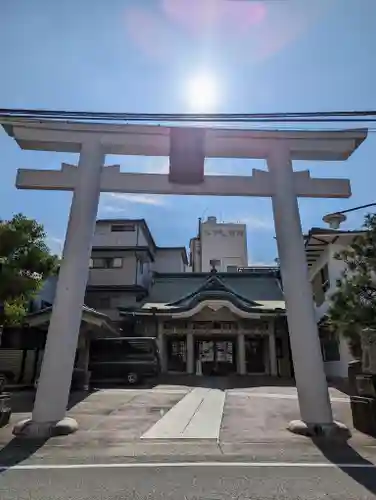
338,369
104,237
125,275
320,262
195,250
218,241
169,261
335,268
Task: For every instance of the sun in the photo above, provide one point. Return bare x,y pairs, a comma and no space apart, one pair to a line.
202,93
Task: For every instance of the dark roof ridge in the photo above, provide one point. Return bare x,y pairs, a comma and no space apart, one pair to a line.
213,278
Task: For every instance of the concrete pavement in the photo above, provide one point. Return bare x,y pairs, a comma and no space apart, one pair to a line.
196,416
184,481
181,423
119,451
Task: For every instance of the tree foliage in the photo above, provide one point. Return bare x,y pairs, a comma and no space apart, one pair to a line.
25,262
353,304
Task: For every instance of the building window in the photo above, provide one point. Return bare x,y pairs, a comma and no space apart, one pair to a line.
324,274
106,263
141,267
98,263
329,345
122,228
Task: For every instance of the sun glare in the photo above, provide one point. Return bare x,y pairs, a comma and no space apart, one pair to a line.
202,94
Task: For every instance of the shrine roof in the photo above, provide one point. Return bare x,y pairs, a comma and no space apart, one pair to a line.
247,291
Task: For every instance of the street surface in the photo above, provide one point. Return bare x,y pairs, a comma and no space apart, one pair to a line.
176,441
190,483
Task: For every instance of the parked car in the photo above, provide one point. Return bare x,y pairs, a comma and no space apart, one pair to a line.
124,359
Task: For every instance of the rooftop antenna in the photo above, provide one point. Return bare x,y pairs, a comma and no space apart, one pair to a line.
203,213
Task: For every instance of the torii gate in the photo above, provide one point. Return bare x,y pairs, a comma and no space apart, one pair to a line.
93,141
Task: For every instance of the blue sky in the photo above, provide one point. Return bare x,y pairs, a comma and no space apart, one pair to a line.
138,55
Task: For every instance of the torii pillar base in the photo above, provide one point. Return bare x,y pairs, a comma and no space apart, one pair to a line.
335,430
43,430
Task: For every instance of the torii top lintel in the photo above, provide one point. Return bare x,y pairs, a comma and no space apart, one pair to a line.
187,148
154,140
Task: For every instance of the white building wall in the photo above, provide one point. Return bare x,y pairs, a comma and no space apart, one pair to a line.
226,242
339,369
169,261
104,237
335,267
195,255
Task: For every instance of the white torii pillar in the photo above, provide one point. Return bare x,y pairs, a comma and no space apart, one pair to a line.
89,179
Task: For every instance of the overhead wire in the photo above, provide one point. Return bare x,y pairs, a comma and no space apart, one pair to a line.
189,116
280,119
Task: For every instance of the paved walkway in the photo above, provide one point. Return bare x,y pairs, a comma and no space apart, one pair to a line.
197,416
200,423
165,412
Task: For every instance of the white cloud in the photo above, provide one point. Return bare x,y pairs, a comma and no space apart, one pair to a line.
112,209
142,199
256,222
55,244
150,165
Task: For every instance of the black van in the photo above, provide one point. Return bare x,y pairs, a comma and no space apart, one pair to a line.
124,359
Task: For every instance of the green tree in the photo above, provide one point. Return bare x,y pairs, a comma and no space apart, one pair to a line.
353,304
25,262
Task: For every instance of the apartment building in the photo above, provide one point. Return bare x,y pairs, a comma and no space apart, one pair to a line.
123,260
223,245
324,270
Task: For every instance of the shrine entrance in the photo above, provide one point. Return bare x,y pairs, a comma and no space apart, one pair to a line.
215,356
255,355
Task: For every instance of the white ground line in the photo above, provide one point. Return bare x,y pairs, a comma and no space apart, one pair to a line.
158,465
111,392
281,396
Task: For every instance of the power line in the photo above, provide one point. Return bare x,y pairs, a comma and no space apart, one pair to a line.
307,117
285,121
120,115
353,209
